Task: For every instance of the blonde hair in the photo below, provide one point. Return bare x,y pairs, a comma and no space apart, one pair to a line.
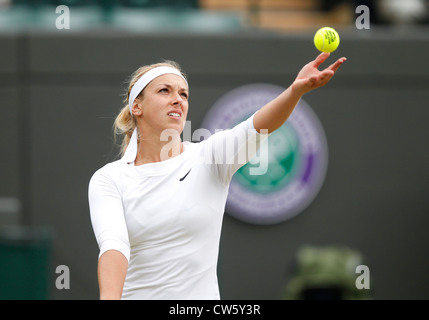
125,122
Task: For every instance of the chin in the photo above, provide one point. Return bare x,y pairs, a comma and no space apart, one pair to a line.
171,131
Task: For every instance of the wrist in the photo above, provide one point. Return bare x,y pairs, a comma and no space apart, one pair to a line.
296,90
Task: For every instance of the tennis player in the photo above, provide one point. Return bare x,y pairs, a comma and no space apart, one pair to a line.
157,212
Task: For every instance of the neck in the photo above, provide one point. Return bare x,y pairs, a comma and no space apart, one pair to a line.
156,149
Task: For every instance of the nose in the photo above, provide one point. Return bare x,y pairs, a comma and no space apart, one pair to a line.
177,99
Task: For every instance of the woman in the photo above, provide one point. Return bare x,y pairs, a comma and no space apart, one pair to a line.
157,212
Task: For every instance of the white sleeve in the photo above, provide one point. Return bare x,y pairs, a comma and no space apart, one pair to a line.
107,214
229,150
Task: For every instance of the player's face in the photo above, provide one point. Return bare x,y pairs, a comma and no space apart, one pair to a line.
165,103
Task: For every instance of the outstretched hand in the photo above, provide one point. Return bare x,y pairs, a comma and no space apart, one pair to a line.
310,77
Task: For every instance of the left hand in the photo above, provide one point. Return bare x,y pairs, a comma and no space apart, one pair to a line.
310,78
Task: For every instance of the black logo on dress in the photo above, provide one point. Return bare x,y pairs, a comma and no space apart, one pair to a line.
183,178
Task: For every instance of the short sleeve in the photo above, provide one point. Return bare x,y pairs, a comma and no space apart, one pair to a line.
107,214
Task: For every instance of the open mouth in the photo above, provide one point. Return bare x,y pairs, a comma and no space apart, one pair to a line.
174,115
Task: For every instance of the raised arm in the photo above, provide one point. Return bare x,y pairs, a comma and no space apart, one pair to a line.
276,112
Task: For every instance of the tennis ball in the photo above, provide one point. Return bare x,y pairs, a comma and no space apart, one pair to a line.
326,39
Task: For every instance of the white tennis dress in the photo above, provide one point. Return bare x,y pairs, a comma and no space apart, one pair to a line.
166,217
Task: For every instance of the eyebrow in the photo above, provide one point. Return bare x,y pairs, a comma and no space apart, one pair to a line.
170,86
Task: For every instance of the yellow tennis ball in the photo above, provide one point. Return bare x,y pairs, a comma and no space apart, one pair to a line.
326,39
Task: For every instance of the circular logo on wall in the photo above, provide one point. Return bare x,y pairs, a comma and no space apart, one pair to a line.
297,158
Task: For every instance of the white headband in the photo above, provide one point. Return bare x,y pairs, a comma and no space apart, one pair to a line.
147,78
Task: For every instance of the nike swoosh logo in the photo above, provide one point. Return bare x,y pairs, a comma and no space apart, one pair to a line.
183,178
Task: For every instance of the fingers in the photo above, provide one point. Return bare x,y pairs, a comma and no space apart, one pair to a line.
311,78
325,76
329,72
319,80
315,81
334,67
320,59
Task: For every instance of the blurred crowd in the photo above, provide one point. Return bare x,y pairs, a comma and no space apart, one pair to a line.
382,12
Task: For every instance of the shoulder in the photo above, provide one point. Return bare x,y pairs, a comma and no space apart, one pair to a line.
107,173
